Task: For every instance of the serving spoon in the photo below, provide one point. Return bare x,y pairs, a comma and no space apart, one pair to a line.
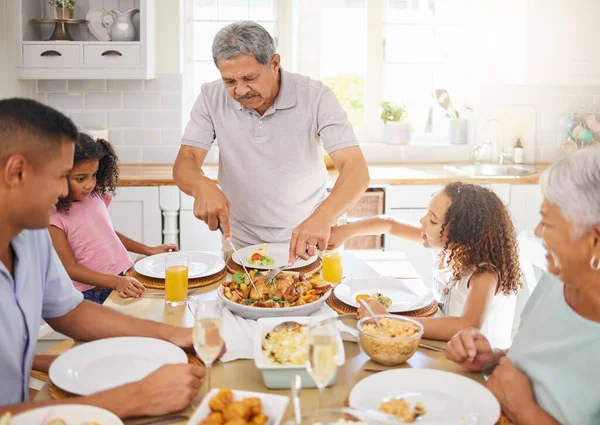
372,314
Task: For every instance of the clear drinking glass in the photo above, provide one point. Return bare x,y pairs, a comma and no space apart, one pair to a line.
208,341
176,278
322,354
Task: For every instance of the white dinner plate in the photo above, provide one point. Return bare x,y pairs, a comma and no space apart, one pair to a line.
403,296
107,363
448,398
278,251
70,413
202,264
95,26
249,312
272,405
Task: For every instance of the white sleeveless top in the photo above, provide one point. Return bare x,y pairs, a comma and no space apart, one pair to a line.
452,295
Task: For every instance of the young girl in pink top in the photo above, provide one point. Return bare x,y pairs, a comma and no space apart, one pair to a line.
93,253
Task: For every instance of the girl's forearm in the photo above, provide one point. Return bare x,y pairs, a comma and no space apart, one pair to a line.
383,224
88,276
133,246
443,328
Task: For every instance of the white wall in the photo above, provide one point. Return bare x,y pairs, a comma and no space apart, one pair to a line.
9,85
550,103
503,43
143,117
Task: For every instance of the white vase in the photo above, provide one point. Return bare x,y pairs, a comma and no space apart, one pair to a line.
396,133
458,132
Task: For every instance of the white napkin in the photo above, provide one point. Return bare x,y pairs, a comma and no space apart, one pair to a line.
238,333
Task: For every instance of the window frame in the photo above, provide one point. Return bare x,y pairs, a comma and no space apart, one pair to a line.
288,33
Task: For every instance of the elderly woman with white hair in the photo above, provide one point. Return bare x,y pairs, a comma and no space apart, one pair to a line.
551,373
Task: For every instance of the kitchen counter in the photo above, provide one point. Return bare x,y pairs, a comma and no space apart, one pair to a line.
399,174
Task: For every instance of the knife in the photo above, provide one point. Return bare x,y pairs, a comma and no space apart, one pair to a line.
166,420
240,260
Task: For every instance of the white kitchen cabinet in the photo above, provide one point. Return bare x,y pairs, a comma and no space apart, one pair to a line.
86,57
562,43
135,212
420,257
525,206
194,234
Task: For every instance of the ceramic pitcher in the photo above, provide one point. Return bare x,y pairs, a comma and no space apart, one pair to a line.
121,28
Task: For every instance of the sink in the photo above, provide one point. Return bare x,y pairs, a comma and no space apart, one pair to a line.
499,170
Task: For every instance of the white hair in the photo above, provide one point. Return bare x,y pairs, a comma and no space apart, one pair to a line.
573,185
244,38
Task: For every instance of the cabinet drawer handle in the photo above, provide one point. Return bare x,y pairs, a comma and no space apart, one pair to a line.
51,53
112,53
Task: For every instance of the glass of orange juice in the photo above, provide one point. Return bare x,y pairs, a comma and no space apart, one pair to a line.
332,268
176,278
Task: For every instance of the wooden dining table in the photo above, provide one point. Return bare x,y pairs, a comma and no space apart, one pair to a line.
243,375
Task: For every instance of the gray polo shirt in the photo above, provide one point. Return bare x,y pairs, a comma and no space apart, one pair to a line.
40,288
271,167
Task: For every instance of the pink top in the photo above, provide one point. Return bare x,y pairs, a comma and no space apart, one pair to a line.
91,236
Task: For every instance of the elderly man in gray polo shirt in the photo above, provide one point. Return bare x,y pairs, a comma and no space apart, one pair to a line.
271,126
36,154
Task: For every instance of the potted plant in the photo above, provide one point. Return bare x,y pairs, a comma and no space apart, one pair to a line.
64,8
395,130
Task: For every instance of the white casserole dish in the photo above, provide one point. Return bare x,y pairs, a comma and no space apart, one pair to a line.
280,377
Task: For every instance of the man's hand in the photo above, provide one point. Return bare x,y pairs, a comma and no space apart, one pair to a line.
171,389
312,234
470,349
184,339
129,287
211,206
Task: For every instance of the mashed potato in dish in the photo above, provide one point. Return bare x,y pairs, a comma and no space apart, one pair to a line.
286,346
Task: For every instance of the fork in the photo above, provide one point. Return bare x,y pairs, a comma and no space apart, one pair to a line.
274,272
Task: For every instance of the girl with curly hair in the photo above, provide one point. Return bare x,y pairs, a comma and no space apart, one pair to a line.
93,253
476,265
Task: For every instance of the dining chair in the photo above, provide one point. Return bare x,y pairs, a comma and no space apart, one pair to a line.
532,259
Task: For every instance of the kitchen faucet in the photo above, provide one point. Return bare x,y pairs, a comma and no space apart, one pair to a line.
480,149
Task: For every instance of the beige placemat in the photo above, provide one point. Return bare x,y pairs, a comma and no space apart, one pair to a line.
343,308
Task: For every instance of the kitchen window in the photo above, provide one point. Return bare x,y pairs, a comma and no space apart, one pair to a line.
367,51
